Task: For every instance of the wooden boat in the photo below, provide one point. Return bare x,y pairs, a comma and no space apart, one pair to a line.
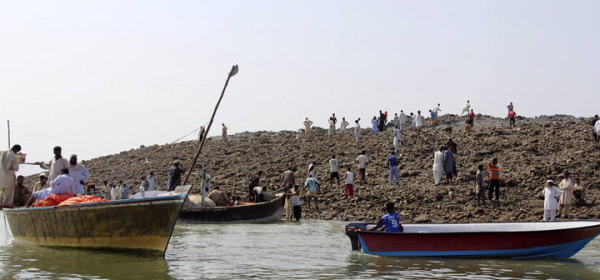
139,224
490,240
262,212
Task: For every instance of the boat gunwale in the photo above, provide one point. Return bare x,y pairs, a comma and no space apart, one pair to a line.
123,202
486,232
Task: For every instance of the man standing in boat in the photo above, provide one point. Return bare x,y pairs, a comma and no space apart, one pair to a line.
56,164
254,183
390,222
79,174
204,186
8,166
175,172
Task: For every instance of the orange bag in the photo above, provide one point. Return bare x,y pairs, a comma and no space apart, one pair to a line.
53,199
81,200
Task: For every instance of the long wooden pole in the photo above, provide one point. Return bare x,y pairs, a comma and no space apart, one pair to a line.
233,71
8,126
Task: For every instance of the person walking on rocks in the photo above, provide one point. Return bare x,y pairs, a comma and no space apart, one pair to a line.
307,128
466,108
396,140
551,195
566,198
438,165
311,169
402,119
175,172
8,168
432,117
357,131
224,133
374,125
332,122
510,107
334,170
396,121
479,192
413,120
363,161
392,164
512,116
313,186
55,165
437,111
349,182
344,125
418,120
494,170
448,165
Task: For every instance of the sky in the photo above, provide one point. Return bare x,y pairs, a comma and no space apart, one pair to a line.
100,77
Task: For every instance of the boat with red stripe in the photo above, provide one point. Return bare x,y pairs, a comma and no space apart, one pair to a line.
519,240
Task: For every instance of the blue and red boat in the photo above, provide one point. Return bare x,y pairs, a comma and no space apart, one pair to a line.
477,240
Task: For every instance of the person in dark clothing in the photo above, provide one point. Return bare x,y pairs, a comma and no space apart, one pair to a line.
253,183
175,172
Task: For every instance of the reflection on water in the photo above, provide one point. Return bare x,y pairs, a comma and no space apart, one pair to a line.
310,249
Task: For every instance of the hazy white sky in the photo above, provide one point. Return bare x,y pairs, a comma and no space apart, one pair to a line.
99,77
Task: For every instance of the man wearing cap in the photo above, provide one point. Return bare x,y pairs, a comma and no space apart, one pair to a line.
56,164
8,166
175,172
42,184
551,195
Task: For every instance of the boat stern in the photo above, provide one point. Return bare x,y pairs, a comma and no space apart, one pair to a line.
352,233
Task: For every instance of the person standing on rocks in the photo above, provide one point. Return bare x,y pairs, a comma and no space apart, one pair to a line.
344,125
224,133
288,184
551,195
392,164
332,122
396,140
313,185
466,108
396,121
307,128
357,131
363,161
8,168
413,120
381,122
151,181
494,170
402,119
349,182
334,170
594,134
175,172
432,116
479,192
312,169
566,198
204,186
448,165
374,125
512,116
418,120
437,111
296,203
438,165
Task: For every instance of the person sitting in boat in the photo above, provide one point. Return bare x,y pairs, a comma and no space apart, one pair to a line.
219,197
62,184
390,222
22,193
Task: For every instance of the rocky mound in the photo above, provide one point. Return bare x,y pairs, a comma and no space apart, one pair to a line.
530,153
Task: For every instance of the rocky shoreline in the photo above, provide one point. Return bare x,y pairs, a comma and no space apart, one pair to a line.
533,151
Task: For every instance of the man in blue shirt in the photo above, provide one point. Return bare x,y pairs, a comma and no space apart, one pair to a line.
313,186
390,222
392,163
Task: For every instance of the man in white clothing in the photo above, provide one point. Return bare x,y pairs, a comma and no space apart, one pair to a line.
8,166
224,133
396,139
204,186
344,125
151,181
56,164
437,110
307,128
597,128
363,161
466,108
438,165
396,120
402,119
357,131
334,170
79,174
61,184
419,120
551,195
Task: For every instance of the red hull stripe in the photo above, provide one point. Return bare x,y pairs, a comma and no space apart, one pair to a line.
382,242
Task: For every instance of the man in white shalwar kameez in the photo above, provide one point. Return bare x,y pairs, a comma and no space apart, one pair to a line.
397,139
438,165
402,119
204,187
357,131
8,166
597,128
466,108
79,174
307,128
344,125
566,198
56,164
418,120
224,133
396,120
551,195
